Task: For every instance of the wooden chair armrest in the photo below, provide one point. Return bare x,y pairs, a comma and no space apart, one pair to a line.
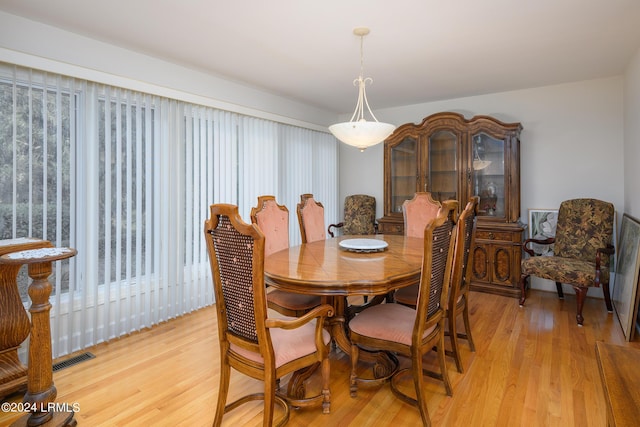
322,311
546,241
338,225
608,251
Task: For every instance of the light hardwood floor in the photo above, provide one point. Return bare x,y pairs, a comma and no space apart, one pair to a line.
533,366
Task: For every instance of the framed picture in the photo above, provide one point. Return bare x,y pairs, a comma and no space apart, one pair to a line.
542,225
625,285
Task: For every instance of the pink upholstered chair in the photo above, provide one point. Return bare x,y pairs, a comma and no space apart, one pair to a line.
311,219
417,212
273,221
401,330
460,278
263,348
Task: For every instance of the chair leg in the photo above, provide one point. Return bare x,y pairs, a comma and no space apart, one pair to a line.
453,336
418,382
607,296
523,288
581,293
559,289
467,324
353,387
269,400
223,389
443,365
326,393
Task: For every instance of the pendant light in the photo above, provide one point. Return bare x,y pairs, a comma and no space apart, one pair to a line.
359,132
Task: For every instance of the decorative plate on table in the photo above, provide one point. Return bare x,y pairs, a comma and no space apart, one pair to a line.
363,245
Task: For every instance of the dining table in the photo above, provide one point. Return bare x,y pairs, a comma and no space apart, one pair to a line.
343,267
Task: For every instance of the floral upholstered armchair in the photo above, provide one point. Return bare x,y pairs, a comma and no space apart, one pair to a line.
582,247
359,216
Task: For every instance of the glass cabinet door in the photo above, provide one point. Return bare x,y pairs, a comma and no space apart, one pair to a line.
488,178
442,179
404,167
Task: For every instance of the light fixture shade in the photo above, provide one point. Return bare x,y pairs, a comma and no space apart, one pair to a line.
361,134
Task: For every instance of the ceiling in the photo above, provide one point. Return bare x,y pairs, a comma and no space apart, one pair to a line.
418,50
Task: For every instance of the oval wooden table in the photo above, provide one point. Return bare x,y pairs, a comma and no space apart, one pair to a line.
324,268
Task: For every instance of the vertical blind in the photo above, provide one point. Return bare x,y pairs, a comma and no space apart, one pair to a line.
127,178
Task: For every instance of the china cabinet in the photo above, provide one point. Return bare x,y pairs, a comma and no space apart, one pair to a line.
455,158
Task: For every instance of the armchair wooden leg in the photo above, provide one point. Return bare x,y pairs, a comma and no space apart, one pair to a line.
607,296
559,289
581,293
523,288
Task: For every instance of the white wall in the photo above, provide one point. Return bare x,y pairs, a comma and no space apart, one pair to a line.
632,137
571,144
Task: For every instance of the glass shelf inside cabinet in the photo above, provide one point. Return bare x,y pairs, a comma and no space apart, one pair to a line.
403,172
489,174
443,160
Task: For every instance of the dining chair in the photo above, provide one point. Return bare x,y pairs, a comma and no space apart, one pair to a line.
359,216
581,251
359,219
273,221
417,212
460,279
311,219
398,329
250,342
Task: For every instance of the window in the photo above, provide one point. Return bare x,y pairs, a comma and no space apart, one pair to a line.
126,178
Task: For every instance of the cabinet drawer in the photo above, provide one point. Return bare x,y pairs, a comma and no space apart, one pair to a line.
494,235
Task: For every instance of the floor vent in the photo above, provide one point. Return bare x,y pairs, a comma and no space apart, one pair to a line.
72,361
